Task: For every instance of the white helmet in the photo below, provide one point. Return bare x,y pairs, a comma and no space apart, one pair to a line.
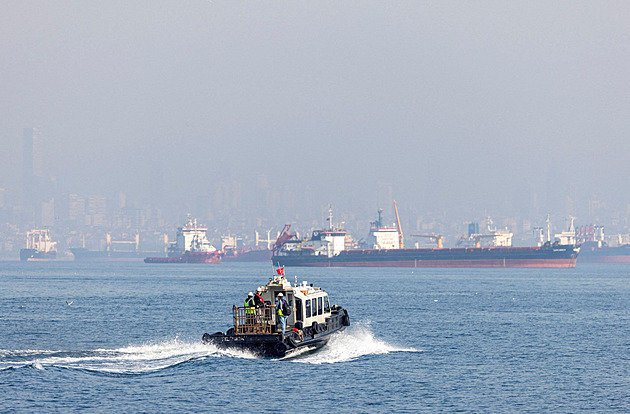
250,294
259,289
280,295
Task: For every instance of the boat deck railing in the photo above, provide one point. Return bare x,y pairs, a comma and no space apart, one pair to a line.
255,320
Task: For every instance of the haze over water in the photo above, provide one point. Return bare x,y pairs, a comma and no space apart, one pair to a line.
457,109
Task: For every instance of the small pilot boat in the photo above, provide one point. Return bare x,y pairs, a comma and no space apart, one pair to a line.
310,324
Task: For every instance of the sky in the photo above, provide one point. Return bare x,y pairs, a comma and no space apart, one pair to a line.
451,107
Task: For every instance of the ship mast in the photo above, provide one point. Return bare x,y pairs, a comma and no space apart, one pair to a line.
548,228
330,216
401,239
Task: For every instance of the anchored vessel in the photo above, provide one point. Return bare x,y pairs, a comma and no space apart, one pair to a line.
326,248
115,250
39,247
594,248
310,324
191,246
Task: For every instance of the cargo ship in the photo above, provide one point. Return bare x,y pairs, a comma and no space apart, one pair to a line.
325,248
83,254
594,249
39,247
115,251
191,246
233,249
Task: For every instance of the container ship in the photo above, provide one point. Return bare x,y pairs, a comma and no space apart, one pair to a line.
326,248
594,249
39,247
191,246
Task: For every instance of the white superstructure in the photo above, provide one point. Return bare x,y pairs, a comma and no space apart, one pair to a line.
328,242
191,237
40,240
382,237
567,236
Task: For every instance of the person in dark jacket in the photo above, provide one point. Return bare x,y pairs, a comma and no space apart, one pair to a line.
281,306
259,302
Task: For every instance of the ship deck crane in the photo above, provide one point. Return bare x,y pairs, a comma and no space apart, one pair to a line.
282,238
401,238
476,238
437,238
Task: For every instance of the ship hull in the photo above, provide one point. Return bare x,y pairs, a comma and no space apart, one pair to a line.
535,257
81,254
188,257
33,255
592,254
249,256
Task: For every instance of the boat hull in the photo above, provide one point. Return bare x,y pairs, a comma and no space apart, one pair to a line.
33,255
249,256
82,254
537,257
276,345
605,254
188,257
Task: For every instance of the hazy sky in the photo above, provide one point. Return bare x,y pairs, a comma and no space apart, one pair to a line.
458,105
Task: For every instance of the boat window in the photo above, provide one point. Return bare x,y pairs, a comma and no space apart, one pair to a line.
319,305
314,300
326,304
298,309
308,308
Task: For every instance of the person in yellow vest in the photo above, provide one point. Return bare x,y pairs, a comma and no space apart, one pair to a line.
250,309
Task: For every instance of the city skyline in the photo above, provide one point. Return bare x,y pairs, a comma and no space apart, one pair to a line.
246,114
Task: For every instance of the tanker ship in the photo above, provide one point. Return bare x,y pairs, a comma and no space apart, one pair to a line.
191,246
326,248
39,247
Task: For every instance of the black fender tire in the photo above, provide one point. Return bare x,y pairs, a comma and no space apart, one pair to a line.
290,341
315,327
345,319
280,349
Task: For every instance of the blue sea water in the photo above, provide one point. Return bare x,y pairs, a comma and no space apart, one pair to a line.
118,337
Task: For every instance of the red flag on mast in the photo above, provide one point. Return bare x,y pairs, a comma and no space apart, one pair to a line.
280,271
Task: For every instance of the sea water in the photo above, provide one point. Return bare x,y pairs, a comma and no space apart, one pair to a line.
113,337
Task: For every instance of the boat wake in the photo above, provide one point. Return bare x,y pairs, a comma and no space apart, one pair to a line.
130,360
355,342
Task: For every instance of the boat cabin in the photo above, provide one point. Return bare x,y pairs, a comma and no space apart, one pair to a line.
309,305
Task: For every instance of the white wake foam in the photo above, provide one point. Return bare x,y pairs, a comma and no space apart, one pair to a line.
353,343
133,359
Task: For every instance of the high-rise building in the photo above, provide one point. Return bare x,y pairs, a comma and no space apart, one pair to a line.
31,174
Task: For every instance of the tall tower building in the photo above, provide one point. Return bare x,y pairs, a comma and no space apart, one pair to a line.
32,175
31,153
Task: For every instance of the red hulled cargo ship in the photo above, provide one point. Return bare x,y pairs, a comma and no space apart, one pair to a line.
325,248
191,246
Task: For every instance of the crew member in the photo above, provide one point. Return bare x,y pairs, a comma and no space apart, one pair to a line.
250,309
258,300
281,306
260,306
